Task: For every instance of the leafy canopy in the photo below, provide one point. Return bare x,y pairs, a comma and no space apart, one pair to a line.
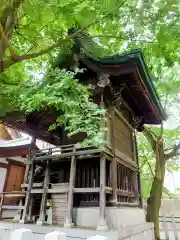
33,32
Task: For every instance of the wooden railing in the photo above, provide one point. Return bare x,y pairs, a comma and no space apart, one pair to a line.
15,194
125,184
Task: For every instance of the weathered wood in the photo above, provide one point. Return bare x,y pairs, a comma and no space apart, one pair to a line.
69,222
123,119
102,203
28,193
65,155
114,163
109,190
41,219
86,190
1,205
125,158
125,193
12,207
35,185
138,173
30,209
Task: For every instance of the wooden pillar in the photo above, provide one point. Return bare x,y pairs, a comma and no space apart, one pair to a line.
138,178
114,163
31,179
102,201
69,223
41,219
1,205
29,218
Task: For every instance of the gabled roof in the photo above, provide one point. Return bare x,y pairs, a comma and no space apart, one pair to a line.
131,69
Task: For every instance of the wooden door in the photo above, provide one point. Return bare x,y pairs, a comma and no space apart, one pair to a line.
15,179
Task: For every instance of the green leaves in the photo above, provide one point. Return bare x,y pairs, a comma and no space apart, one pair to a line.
64,94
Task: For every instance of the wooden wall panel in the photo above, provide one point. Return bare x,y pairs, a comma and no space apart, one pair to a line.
122,135
14,181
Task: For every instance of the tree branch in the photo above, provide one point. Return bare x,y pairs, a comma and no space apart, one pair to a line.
15,58
173,153
121,38
150,139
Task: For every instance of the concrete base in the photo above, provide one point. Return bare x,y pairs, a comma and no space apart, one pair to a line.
116,217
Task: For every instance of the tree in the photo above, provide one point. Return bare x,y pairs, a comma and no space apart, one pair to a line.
154,201
29,30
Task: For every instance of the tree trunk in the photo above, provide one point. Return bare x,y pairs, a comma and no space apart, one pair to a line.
154,200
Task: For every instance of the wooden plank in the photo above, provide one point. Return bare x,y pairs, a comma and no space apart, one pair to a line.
33,186
28,193
59,156
125,158
1,205
13,195
102,201
109,190
125,193
123,119
69,222
62,190
86,190
12,207
44,195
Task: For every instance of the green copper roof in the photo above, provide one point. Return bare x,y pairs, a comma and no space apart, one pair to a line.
137,57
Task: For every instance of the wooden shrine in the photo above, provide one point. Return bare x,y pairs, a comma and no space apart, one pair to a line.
73,177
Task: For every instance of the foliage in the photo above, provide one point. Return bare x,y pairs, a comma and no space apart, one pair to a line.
63,94
148,160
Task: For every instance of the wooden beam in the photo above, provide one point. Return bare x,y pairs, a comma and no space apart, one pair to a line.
35,185
28,192
109,190
125,193
69,222
41,219
86,190
125,158
11,207
102,203
30,209
114,163
65,155
138,174
1,205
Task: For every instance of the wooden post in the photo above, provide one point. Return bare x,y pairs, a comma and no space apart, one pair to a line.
114,163
69,222
102,201
138,178
41,219
31,179
1,205
18,216
30,210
